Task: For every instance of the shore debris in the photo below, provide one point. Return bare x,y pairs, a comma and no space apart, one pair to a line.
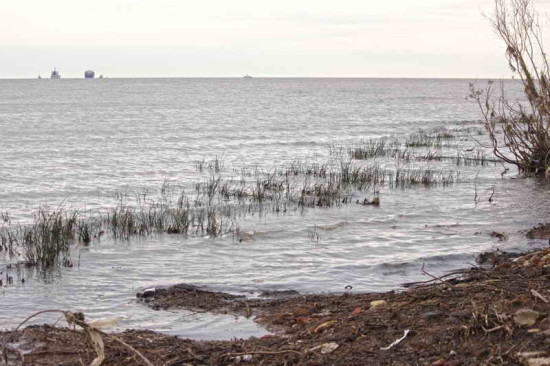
491,314
539,258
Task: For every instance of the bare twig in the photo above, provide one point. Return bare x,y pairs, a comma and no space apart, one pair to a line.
538,295
435,277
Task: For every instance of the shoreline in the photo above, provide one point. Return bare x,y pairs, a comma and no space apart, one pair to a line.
477,316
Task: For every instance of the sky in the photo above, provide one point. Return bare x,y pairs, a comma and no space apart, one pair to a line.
221,38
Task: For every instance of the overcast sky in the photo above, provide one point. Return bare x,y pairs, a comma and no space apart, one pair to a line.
211,38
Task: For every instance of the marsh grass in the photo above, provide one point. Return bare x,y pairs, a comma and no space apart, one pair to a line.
216,203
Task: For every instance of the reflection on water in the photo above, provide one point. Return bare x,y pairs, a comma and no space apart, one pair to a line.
81,142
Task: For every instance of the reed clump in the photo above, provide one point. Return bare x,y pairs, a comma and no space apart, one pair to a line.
45,242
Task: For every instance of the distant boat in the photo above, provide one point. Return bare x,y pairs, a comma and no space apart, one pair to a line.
101,76
55,74
247,76
89,74
40,77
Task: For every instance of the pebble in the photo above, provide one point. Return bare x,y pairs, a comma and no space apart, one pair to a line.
536,358
377,303
545,361
526,317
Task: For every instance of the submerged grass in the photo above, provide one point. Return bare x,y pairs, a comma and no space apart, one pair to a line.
428,146
472,157
373,148
216,165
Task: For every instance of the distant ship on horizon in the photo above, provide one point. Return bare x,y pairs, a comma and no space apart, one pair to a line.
89,74
247,76
55,74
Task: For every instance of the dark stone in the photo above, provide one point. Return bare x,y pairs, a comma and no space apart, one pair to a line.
432,315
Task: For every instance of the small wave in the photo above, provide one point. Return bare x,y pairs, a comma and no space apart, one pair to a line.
444,258
334,226
394,268
398,265
252,234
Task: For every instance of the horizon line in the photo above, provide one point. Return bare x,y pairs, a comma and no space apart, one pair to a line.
270,77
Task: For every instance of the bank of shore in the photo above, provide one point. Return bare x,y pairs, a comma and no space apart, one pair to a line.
479,316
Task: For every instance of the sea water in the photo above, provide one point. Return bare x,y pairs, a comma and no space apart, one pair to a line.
84,144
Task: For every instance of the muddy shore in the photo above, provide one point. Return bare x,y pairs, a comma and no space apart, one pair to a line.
479,316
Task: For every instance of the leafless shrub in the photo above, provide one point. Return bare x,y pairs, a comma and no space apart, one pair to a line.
519,132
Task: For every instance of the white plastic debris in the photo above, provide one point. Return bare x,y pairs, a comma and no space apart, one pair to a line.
105,323
397,341
325,347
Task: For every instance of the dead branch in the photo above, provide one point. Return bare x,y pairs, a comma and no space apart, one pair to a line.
435,277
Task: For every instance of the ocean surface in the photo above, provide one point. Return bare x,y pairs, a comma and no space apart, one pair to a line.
84,144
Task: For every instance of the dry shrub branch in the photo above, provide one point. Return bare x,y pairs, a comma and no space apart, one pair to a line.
519,131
